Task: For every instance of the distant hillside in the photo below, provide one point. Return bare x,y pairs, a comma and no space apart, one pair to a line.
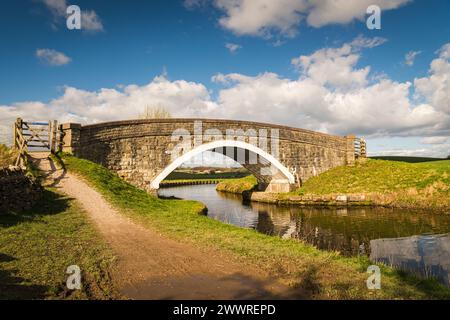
207,174
408,159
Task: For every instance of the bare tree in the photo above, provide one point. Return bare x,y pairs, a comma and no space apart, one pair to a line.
155,112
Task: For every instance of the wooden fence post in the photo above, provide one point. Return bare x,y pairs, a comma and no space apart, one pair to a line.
14,143
19,142
17,128
54,128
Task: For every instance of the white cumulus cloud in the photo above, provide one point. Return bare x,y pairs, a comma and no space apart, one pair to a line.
410,57
436,87
52,57
90,21
233,47
263,17
324,12
334,67
259,17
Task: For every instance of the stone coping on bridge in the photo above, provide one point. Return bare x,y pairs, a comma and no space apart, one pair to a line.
110,131
206,120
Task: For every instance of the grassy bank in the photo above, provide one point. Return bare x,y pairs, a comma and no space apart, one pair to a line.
421,185
320,274
390,183
237,185
37,246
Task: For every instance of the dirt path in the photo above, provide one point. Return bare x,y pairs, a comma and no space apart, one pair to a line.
151,266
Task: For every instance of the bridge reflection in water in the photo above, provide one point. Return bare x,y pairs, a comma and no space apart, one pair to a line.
386,235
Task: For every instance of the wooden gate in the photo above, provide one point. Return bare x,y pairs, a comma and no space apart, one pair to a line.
34,136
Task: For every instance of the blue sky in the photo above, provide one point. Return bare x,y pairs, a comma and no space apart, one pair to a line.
137,49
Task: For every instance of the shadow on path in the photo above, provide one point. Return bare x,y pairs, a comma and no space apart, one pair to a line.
234,286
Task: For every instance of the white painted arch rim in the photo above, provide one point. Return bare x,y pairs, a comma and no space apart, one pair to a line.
219,144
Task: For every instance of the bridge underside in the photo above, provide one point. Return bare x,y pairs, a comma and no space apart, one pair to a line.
270,179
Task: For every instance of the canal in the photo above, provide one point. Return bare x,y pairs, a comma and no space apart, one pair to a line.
416,241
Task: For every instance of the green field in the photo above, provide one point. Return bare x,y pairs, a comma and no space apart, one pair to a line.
37,246
321,274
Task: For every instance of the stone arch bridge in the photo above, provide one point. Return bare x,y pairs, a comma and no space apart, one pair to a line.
144,152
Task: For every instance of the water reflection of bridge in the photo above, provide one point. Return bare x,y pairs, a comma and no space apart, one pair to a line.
425,255
348,230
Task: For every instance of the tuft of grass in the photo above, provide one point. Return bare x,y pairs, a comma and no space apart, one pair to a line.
323,275
37,246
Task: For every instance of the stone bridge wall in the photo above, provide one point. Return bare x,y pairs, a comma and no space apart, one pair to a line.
138,150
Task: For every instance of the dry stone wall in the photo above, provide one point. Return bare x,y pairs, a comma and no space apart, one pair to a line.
18,191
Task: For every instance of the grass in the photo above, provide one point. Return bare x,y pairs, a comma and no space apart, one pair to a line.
393,183
413,184
321,274
37,246
382,176
238,185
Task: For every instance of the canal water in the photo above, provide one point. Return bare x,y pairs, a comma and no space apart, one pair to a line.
416,241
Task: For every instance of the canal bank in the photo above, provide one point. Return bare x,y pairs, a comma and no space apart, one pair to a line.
394,184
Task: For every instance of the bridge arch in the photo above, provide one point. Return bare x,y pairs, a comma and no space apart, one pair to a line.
210,146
